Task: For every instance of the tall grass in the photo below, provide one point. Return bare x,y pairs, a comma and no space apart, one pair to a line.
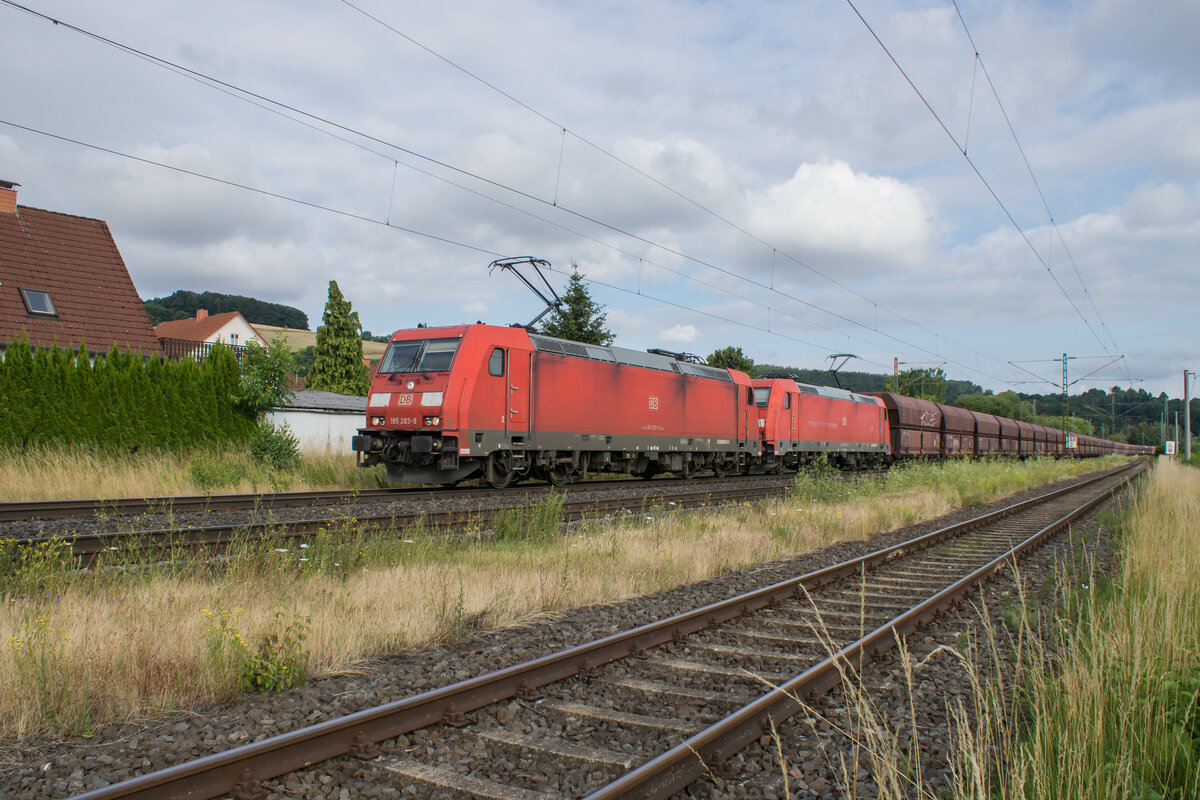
1097,699
153,634
54,473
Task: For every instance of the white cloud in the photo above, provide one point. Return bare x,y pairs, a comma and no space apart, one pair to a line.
827,212
477,308
679,334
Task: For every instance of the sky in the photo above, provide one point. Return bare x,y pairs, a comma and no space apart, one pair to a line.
761,175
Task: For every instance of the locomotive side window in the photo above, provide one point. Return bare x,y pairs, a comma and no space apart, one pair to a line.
496,363
787,400
749,395
761,395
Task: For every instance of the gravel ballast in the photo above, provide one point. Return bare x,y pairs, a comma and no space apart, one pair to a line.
46,768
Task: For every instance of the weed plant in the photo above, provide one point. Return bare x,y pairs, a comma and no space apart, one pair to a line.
265,463
131,636
1089,691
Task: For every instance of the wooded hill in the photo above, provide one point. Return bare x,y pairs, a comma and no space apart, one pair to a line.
183,305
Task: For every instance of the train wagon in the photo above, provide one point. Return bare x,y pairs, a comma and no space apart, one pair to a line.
1010,437
987,434
958,432
915,426
500,403
799,422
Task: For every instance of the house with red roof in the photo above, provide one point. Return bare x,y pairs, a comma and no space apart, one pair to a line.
62,281
230,328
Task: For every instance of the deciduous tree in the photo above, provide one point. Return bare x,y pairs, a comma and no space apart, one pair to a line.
731,358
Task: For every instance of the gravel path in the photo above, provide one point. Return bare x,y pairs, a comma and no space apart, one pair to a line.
55,769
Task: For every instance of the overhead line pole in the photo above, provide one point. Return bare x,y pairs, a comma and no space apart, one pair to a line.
1187,417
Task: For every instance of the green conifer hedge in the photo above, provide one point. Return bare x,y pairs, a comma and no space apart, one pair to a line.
121,401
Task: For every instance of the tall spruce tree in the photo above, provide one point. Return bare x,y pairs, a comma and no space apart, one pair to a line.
338,362
580,318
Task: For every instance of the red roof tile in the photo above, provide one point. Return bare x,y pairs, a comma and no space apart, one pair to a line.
76,261
194,330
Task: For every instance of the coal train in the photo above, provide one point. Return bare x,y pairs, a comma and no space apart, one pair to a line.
502,404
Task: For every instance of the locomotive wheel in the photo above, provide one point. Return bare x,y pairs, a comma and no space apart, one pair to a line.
688,470
720,470
560,474
499,473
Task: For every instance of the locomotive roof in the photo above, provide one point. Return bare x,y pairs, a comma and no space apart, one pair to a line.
623,355
837,394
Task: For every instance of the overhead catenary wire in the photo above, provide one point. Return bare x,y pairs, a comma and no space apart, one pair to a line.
962,150
258,100
681,195
363,218
1036,184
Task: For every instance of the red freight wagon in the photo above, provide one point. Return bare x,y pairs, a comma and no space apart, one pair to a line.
958,431
799,421
915,426
1010,437
987,434
1054,441
1026,434
1040,438
454,402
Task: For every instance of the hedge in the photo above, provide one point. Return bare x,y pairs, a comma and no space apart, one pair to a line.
119,400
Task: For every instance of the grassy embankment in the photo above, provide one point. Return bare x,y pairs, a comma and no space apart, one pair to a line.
1099,699
52,473
82,649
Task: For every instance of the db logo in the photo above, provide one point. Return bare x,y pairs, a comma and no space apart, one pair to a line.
404,400
654,404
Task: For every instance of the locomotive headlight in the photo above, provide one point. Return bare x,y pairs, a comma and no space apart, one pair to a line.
377,422
432,421
409,385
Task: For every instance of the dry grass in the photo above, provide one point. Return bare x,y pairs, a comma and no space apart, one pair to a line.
116,644
53,473
1100,701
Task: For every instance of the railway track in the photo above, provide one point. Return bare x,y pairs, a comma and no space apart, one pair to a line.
88,548
134,506
646,712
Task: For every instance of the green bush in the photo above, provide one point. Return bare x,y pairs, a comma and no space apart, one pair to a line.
214,472
276,447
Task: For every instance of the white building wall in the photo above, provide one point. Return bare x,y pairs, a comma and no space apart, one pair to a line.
237,332
320,431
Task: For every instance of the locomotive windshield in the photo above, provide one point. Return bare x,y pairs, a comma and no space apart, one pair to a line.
761,395
425,355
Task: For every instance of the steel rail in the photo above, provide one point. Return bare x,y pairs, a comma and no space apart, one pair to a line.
12,510
88,548
239,771
707,750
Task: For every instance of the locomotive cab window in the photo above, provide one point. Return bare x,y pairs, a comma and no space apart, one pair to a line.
762,394
496,363
427,355
787,400
749,395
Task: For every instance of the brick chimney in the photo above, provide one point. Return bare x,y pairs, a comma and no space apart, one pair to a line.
8,197
201,313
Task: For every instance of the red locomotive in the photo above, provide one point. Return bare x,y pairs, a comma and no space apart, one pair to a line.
502,404
799,423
